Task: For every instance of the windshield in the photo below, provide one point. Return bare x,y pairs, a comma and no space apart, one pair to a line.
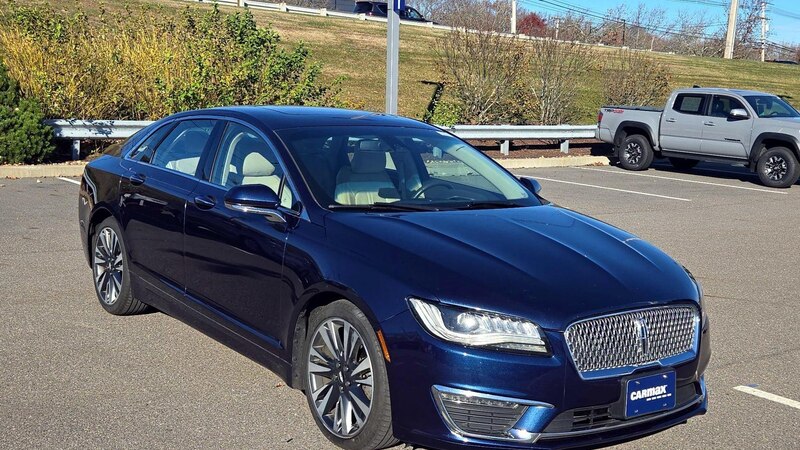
366,167
767,106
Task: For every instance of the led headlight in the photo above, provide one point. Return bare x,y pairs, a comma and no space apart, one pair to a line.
479,328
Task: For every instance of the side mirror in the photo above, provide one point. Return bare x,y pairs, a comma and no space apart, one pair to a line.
738,114
531,184
255,199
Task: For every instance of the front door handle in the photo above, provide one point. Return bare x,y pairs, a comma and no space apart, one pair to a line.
670,120
205,202
708,124
137,179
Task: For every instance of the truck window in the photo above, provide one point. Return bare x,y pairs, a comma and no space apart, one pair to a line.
721,106
690,104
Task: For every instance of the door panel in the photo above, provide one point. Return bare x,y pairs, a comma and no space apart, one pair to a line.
723,136
682,123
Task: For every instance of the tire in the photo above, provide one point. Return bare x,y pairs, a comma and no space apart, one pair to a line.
635,153
778,168
683,163
343,382
110,271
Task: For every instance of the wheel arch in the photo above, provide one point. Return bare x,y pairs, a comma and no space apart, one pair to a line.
765,141
628,127
100,214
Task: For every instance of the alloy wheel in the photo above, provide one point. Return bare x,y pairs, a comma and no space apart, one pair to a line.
776,168
340,377
633,153
108,267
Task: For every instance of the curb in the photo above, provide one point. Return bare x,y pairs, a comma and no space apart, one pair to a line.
542,162
76,170
42,171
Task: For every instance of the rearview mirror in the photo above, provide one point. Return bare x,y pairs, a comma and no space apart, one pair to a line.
255,199
738,114
531,184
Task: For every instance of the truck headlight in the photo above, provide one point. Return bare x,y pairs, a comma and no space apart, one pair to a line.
479,328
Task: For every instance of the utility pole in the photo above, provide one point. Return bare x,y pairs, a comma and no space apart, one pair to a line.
513,16
730,37
763,30
624,25
393,54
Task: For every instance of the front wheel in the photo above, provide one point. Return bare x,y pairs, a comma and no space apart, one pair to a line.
636,153
346,384
778,168
110,270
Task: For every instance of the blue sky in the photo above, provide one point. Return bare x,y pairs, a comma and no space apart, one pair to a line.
782,28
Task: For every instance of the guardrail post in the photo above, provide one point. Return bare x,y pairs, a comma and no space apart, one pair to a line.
565,146
76,149
505,146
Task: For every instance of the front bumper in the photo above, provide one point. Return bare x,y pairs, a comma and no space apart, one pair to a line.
563,410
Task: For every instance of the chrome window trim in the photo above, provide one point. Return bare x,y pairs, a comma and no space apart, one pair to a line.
669,361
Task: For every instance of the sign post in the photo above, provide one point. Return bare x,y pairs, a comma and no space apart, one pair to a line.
393,54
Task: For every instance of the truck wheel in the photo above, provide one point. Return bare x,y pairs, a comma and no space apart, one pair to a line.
683,163
778,168
636,153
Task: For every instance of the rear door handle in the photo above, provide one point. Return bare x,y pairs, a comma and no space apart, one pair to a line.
708,124
670,120
205,202
137,179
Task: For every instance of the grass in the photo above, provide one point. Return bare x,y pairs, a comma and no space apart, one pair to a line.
356,51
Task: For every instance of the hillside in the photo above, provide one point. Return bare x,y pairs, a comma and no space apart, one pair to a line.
355,50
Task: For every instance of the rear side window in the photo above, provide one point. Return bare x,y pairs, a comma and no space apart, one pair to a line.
381,7
690,104
363,7
182,148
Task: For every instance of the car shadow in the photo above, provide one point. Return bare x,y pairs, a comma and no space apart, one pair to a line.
712,170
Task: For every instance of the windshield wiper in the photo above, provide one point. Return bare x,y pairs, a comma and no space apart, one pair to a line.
382,206
490,204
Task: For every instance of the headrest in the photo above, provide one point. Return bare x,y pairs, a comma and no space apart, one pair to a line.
255,165
372,145
368,162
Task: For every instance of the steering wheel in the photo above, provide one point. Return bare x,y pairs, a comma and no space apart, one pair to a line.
425,189
773,114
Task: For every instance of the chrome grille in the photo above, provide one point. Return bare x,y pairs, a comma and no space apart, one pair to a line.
632,339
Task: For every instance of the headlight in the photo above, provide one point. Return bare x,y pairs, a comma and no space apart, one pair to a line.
479,328
699,293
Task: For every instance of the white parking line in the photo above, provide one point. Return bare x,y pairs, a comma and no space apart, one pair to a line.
766,395
769,191
614,189
70,180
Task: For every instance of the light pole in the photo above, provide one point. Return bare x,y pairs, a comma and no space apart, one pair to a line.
393,54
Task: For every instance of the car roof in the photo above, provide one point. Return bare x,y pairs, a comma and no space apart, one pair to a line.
282,117
724,91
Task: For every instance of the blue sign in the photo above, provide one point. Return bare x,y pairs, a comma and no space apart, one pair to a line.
399,5
649,394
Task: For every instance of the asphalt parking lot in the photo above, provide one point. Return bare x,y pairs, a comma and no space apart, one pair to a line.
73,376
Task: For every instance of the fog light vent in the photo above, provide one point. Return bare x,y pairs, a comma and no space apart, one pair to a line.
469,414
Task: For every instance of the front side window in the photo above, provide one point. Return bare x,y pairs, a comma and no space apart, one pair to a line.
245,158
721,106
767,106
690,104
402,167
413,14
181,150
144,152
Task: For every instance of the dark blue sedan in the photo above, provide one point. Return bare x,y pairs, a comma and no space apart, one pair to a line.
412,288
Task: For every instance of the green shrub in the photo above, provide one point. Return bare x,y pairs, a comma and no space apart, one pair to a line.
150,63
23,136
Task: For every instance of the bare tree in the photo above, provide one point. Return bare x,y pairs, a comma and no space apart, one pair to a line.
551,79
479,64
633,78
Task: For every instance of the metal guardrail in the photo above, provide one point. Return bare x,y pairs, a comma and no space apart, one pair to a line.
77,130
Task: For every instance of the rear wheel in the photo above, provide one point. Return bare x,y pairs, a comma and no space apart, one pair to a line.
345,378
110,271
778,168
683,163
636,153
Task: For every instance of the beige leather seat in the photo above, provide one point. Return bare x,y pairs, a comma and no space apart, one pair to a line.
256,169
363,182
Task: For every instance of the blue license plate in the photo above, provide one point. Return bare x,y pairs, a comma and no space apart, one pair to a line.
649,394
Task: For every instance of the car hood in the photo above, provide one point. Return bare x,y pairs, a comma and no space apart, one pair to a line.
791,122
545,263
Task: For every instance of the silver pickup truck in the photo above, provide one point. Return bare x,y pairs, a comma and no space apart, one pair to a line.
754,129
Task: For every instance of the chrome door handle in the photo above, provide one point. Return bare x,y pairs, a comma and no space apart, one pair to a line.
670,120
204,202
708,124
137,179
